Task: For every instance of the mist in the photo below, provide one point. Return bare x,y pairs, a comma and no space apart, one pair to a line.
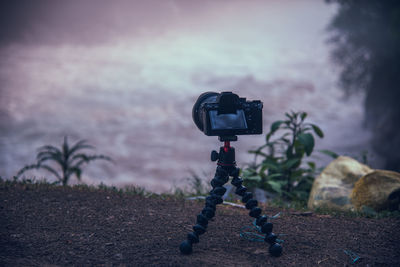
125,75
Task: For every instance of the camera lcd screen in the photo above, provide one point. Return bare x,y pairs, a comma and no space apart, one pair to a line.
228,121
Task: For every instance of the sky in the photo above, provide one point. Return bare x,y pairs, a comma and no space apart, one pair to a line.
125,75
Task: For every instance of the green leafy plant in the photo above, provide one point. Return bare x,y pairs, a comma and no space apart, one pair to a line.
68,158
281,169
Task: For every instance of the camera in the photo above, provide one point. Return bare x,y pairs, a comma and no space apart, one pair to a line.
227,114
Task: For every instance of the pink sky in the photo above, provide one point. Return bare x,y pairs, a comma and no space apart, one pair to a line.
125,76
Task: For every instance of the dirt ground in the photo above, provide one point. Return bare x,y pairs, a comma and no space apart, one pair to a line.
54,226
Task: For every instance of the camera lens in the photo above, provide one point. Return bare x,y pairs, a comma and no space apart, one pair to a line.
207,97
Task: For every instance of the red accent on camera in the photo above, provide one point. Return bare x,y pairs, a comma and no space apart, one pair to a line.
227,146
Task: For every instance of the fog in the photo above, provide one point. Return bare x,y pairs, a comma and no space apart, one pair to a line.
125,74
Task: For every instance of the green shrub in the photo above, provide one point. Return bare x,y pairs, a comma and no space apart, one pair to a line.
69,161
281,169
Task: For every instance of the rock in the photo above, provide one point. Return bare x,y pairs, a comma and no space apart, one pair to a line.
333,187
379,190
263,196
260,195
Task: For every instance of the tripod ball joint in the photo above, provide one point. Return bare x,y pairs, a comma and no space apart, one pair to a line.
241,190
186,247
219,181
219,190
198,229
210,203
217,199
275,250
267,228
216,182
213,200
247,196
193,238
202,220
235,173
251,203
261,220
221,172
270,238
255,212
208,212
237,182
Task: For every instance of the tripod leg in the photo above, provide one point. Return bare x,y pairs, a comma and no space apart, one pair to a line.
215,198
275,248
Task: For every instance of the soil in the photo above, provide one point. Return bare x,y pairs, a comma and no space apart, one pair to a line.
56,226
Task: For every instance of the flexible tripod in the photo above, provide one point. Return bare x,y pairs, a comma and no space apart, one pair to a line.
227,167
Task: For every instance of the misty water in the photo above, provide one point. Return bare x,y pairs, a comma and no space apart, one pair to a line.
131,97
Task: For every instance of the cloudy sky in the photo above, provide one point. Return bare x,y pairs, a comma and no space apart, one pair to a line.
125,74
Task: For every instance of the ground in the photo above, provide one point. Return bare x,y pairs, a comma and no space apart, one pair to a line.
56,226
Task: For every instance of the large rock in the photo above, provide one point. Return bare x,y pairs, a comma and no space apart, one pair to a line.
333,187
379,190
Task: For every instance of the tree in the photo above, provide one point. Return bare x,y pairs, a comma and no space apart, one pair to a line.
366,39
67,158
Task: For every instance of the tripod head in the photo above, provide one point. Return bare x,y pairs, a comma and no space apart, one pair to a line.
226,155
228,138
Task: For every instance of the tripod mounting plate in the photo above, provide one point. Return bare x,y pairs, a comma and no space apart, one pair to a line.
228,138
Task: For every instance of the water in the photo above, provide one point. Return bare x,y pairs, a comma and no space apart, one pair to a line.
132,96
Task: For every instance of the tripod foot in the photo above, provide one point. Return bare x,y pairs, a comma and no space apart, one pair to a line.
186,247
275,250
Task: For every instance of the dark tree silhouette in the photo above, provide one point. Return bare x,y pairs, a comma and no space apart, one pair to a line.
366,39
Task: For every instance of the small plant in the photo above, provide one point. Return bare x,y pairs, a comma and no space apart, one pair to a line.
197,185
67,158
281,170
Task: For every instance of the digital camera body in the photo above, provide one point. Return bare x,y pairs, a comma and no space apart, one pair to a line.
227,114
